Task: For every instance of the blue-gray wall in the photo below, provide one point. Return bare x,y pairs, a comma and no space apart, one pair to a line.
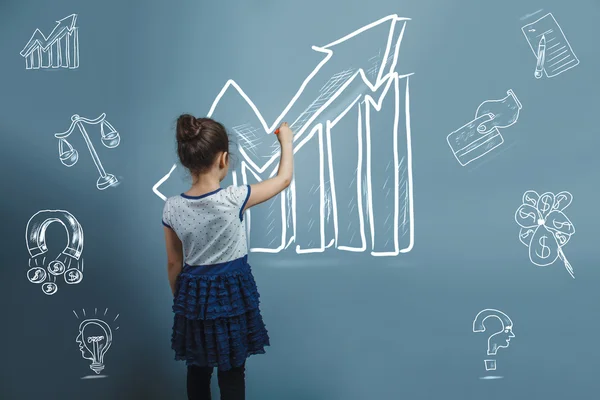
343,325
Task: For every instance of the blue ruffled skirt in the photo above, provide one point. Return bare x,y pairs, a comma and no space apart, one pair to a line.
217,317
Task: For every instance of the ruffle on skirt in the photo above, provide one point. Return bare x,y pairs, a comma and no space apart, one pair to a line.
217,317
229,290
224,343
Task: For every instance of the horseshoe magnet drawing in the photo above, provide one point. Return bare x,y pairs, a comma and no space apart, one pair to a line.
68,263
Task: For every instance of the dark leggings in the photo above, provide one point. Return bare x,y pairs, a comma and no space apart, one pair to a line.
231,383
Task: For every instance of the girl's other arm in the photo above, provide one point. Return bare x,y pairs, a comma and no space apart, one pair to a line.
174,256
263,191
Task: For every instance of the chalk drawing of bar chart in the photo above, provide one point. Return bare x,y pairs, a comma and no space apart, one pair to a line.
351,118
60,49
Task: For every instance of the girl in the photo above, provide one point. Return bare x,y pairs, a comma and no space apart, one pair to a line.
216,303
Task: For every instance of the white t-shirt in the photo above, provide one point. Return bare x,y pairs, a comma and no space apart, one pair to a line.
210,227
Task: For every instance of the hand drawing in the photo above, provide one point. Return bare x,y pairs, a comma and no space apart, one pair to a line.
59,50
110,139
339,91
500,339
95,338
545,229
68,263
482,135
549,45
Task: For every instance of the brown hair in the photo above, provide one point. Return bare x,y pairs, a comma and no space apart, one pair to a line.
199,141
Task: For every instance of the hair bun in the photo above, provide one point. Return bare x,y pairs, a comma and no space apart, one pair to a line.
199,142
188,128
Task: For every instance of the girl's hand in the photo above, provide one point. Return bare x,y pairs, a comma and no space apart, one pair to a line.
285,134
269,188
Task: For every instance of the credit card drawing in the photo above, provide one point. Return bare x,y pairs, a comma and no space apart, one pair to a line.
482,135
468,144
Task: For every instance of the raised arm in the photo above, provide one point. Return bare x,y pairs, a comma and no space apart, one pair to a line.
263,191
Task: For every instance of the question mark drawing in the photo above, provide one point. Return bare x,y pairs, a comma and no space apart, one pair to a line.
498,340
35,237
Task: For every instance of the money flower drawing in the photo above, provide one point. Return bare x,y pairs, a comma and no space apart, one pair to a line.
545,228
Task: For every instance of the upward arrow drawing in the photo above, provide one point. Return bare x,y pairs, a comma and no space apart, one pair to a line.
67,23
333,74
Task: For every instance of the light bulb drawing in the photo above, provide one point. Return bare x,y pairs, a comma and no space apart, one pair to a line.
94,338
110,139
67,263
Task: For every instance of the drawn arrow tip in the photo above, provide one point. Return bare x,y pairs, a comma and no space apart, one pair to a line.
68,20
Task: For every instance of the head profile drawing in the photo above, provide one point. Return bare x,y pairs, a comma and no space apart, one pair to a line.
500,339
95,338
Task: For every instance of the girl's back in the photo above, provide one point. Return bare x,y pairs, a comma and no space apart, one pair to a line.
210,226
217,320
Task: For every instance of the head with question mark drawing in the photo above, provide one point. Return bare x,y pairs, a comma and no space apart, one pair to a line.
500,339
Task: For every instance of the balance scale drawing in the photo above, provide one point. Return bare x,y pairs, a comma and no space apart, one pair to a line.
110,139
353,120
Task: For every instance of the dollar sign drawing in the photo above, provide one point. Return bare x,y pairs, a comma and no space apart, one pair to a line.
545,249
560,225
545,203
72,276
37,275
529,199
526,215
562,239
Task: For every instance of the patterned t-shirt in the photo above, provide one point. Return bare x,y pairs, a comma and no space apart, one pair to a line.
211,226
